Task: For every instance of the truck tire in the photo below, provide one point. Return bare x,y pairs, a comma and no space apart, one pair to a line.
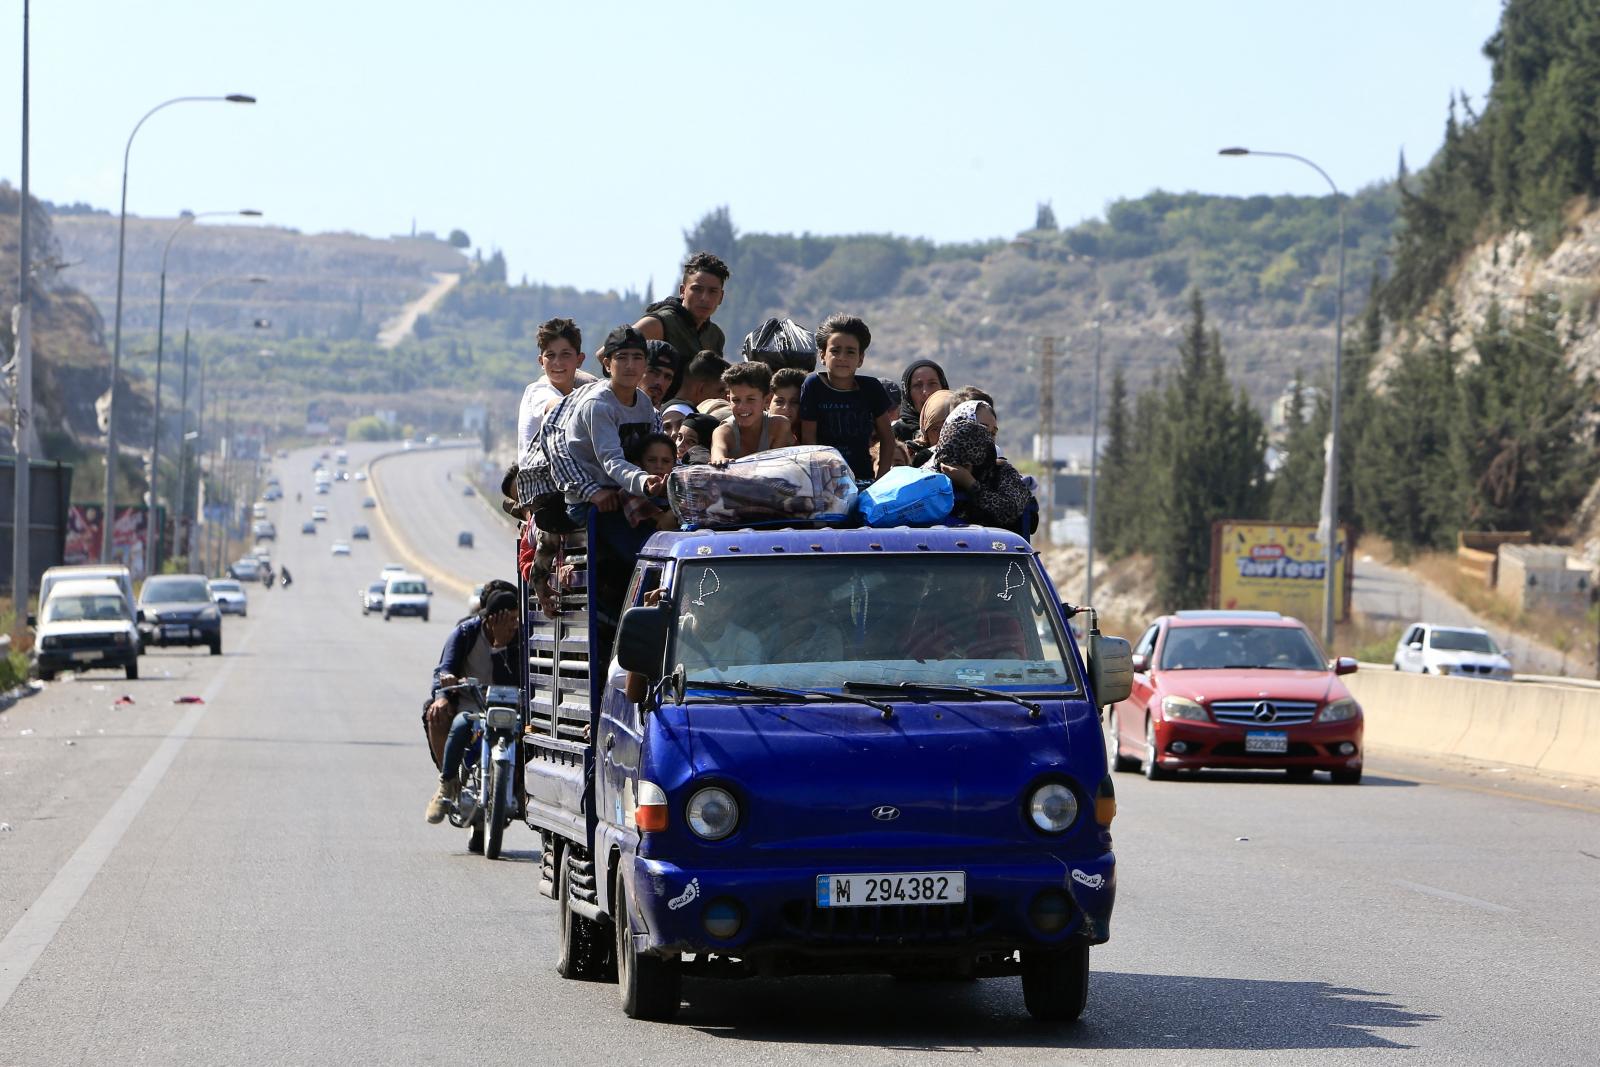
651,987
1055,984
580,942
1119,762
494,809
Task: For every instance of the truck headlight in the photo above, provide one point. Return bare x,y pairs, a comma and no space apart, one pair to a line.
1183,708
1339,711
1053,807
713,813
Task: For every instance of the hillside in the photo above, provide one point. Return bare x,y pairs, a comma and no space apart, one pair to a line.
337,285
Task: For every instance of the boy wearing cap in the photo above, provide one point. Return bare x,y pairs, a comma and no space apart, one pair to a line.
602,420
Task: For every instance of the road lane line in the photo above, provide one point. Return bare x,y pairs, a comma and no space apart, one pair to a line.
38,926
400,544
1458,898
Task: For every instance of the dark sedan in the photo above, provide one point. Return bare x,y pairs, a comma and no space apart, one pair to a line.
176,609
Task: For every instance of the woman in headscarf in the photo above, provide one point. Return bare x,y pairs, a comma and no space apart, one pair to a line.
921,380
992,492
935,409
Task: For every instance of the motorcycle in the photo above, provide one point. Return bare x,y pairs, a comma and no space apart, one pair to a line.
486,803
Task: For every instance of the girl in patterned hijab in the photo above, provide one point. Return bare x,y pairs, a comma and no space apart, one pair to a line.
993,493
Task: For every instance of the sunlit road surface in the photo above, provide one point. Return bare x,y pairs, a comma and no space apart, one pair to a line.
250,881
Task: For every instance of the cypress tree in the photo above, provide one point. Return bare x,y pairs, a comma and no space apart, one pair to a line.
1297,485
1117,496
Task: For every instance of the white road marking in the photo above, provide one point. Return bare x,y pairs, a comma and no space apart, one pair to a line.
32,934
1459,898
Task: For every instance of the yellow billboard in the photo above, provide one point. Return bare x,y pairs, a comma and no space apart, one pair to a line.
1276,567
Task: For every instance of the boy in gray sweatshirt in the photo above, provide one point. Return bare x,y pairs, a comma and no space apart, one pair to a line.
600,423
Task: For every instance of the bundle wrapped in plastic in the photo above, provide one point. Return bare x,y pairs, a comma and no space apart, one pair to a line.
805,483
779,343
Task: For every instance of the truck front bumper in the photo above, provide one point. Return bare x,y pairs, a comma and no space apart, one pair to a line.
1010,904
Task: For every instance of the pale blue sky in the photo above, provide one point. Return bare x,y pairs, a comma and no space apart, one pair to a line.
581,138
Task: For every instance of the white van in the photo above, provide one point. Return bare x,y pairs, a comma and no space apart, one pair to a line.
115,572
406,594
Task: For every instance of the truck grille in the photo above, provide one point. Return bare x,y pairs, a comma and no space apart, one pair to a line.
1245,713
909,924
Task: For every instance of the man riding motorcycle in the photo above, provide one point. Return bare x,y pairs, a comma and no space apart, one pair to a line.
482,646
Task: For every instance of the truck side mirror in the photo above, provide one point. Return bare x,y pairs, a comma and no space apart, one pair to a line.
642,640
1110,669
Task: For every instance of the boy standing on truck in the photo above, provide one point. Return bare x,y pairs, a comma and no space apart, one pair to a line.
838,407
560,354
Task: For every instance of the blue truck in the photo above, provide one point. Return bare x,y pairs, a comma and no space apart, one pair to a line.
824,751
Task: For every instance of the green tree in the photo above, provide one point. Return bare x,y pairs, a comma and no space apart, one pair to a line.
1045,217
1297,484
1530,456
1214,449
1117,494
459,239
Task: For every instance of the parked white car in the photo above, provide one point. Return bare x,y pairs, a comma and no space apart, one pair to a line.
1463,651
86,624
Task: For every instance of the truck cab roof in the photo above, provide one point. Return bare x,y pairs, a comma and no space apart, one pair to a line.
695,544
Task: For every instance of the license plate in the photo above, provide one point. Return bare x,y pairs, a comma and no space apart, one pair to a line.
1263,741
174,631
84,657
887,890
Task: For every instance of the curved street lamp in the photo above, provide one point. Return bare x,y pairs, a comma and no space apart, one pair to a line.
153,537
183,430
1330,482
110,511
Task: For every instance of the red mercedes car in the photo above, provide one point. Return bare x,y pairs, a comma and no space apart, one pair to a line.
1236,689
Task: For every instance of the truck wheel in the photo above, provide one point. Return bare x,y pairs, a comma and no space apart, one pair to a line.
1055,985
580,943
1119,762
1150,765
494,809
651,987
131,669
1347,777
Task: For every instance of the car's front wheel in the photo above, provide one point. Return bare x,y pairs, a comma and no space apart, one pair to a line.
1119,762
1351,777
1151,764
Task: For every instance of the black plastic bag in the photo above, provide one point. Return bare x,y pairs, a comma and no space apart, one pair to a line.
779,343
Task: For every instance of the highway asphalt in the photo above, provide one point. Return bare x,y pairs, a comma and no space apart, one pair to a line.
250,881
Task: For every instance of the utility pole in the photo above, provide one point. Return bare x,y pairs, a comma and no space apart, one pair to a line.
21,515
1047,425
1094,466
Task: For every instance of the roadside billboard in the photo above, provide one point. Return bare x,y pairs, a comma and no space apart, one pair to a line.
1276,567
84,526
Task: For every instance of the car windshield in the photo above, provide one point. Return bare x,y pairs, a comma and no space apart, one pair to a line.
108,607
225,587
1463,641
966,620
375,587
174,590
412,588
1201,648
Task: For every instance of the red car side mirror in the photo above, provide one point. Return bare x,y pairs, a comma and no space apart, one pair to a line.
1345,665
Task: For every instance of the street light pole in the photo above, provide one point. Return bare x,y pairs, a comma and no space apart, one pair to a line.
154,538
1330,482
1094,466
21,512
183,453
108,516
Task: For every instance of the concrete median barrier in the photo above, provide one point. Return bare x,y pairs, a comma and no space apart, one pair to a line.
1551,728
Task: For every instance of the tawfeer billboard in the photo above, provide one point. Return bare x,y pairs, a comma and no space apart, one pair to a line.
1276,567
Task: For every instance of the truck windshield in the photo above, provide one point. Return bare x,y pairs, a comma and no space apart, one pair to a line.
970,620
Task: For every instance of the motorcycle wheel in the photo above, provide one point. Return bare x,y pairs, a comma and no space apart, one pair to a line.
494,809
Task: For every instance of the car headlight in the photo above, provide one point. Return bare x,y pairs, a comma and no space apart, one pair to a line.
1339,711
119,639
1443,668
210,613
1053,807
47,642
713,813
1183,708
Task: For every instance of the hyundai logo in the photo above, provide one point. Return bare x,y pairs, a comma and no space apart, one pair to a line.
886,813
1265,712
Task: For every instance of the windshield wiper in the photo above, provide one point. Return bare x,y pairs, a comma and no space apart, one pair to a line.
793,695
1034,710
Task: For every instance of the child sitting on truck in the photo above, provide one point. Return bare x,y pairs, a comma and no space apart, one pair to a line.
656,455
786,386
838,407
751,429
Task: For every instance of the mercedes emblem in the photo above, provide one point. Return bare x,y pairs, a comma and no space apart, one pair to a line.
1265,712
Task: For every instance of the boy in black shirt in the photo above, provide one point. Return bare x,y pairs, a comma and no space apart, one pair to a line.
839,408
